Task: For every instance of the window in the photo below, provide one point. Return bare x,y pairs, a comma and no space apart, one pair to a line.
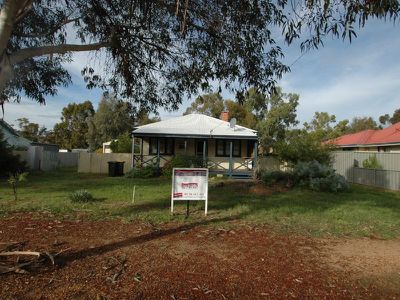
153,146
169,146
236,148
137,146
383,149
166,146
220,148
250,148
223,148
200,147
181,144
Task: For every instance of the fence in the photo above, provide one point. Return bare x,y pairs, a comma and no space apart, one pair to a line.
348,164
98,162
38,159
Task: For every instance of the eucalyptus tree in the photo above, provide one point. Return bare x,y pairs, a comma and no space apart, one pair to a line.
158,51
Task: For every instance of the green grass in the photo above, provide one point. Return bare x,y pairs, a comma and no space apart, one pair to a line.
364,211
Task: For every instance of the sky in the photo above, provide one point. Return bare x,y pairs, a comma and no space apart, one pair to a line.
347,80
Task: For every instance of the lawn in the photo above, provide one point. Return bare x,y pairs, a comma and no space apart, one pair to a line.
364,211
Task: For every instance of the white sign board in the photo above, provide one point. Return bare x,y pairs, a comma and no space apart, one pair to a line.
189,184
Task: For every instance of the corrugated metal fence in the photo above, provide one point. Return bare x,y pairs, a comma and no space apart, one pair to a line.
38,159
349,164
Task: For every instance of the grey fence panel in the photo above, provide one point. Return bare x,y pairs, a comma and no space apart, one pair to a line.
349,164
68,159
48,161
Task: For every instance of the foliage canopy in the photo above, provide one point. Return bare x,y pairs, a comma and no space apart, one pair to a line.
157,52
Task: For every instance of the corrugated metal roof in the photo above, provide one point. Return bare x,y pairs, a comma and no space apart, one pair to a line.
12,137
195,125
389,135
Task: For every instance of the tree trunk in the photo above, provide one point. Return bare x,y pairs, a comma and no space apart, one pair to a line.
7,18
6,71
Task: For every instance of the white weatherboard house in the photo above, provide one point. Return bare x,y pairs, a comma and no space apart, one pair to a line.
227,149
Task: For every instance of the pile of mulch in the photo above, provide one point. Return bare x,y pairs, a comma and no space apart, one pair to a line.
115,260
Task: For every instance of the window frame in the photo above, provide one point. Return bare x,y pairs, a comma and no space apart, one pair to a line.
226,149
163,141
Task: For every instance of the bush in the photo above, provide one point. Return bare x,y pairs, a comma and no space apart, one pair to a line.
144,172
331,183
183,161
372,163
273,177
319,177
304,171
81,196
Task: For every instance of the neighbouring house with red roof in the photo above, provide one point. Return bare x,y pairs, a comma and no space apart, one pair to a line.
382,140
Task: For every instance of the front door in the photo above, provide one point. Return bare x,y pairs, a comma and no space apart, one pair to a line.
200,147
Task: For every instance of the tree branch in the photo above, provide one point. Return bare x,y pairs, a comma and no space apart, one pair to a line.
51,31
24,10
23,54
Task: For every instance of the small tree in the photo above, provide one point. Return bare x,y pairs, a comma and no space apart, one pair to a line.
15,179
122,145
372,163
302,146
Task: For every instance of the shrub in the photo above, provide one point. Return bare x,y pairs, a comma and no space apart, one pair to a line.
304,171
81,196
372,163
14,181
273,177
143,172
331,183
183,161
319,177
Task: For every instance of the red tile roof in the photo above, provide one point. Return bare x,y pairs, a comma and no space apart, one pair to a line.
389,135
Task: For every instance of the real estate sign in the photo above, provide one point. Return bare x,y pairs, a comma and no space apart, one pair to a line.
189,184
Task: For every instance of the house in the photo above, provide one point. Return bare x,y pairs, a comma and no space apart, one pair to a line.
107,147
382,140
12,137
227,148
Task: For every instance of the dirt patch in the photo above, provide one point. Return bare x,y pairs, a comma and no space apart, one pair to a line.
253,187
114,260
261,189
369,260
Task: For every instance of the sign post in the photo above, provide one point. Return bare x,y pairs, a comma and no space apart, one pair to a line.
189,184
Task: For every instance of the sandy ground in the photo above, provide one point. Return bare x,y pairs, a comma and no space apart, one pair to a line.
369,260
114,260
